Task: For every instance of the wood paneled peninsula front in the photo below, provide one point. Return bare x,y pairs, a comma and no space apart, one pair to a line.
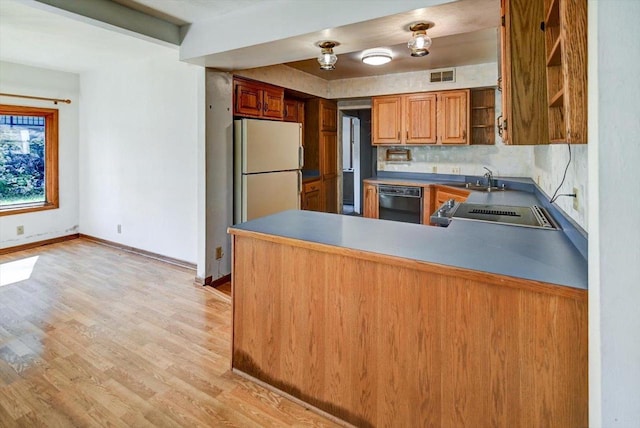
382,323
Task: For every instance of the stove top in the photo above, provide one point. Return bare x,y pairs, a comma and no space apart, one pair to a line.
532,216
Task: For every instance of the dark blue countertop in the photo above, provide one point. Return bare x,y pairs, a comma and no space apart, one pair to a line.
542,255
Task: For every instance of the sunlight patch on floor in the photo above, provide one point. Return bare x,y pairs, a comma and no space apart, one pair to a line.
16,271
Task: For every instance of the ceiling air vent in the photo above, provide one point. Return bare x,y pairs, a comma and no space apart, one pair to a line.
443,76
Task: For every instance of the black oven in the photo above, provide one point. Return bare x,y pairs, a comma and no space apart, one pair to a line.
400,203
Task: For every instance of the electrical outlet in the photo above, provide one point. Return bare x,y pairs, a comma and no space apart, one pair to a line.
119,228
575,199
455,170
219,253
20,230
434,169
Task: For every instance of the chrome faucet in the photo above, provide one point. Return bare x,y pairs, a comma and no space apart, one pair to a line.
489,176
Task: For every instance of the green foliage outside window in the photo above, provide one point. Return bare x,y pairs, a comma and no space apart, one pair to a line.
22,160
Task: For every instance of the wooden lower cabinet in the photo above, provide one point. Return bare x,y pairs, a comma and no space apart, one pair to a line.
387,342
311,196
443,194
370,201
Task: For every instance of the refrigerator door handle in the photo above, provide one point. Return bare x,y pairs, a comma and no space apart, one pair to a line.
301,156
299,182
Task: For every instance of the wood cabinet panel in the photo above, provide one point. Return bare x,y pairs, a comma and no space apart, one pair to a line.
382,343
256,99
483,116
565,28
427,204
524,83
453,117
273,103
386,120
248,99
321,148
329,197
329,154
293,111
311,195
420,117
370,200
443,194
328,116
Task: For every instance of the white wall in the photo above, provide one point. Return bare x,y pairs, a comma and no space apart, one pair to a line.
614,244
549,163
25,80
218,185
139,154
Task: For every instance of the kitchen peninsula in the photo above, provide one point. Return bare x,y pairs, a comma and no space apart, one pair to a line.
381,323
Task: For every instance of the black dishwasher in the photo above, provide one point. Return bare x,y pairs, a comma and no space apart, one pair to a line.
400,203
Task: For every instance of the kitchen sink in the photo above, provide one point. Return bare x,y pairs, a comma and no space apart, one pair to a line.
479,187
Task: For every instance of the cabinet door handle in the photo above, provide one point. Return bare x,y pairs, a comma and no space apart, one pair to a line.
407,134
499,125
285,112
398,135
259,106
464,134
266,107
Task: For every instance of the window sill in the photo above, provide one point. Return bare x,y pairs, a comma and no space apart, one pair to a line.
28,209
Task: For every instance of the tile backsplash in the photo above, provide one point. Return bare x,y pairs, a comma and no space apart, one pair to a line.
501,159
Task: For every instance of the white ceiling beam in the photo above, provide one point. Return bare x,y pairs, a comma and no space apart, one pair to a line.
112,15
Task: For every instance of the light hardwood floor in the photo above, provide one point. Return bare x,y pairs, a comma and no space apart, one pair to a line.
98,336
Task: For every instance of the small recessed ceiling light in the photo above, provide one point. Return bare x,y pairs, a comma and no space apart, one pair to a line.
376,56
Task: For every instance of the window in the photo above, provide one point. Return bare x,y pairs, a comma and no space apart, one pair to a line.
28,159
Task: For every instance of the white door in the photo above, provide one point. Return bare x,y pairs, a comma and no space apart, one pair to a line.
270,146
269,193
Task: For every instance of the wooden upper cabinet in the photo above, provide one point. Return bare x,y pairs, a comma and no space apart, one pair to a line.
370,201
248,99
565,28
386,120
420,117
523,79
483,116
453,117
293,110
328,116
273,102
255,99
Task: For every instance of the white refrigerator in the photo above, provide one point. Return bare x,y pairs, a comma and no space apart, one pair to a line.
268,158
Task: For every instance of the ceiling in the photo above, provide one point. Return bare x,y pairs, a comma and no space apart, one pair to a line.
37,34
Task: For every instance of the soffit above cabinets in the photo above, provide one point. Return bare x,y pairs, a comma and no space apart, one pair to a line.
241,34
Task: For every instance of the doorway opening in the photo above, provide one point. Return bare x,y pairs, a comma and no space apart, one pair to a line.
358,156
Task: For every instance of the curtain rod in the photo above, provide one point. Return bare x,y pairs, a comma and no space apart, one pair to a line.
55,100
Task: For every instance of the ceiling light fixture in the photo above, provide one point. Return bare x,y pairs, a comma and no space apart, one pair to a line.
420,42
327,58
378,56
